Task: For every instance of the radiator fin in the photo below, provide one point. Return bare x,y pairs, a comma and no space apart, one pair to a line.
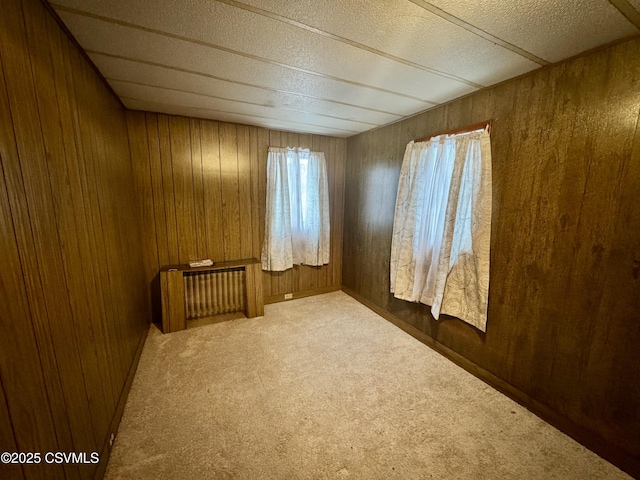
213,293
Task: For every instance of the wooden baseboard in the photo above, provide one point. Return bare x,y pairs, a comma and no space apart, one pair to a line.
588,438
305,293
117,416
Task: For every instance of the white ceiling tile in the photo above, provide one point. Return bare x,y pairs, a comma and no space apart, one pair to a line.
550,29
326,65
229,117
404,30
96,35
162,95
265,38
119,69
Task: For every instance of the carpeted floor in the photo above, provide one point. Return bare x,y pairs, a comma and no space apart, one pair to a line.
323,388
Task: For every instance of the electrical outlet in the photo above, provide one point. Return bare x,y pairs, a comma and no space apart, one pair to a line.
288,296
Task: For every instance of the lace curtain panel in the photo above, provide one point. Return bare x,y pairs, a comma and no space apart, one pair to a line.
297,211
442,226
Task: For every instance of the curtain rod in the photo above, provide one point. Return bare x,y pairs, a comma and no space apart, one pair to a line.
291,148
469,128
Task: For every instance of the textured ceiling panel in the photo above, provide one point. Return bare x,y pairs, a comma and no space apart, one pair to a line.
98,36
172,97
226,117
550,29
236,29
328,66
404,30
143,74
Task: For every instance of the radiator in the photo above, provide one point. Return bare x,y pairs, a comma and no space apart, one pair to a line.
213,293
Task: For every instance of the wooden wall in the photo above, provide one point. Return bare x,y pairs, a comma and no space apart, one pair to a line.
73,312
563,330
203,186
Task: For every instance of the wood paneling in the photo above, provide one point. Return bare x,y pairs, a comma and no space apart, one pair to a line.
211,199
564,294
73,301
8,441
173,311
254,293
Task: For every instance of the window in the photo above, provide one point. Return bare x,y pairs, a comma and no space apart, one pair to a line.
442,226
297,211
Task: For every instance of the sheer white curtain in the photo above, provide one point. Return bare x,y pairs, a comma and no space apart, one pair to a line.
297,213
442,226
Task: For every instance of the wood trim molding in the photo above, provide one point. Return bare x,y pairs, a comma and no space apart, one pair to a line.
628,10
302,294
117,416
586,437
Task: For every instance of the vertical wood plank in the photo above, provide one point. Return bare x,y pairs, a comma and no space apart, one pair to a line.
94,156
331,172
87,290
139,147
110,186
324,272
255,200
244,192
71,235
183,188
350,234
21,375
135,312
338,225
155,163
7,440
168,188
27,383
198,188
37,190
173,312
214,224
84,124
336,205
86,217
258,294
613,343
252,277
96,379
230,196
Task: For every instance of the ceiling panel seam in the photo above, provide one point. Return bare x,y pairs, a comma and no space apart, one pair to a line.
246,115
477,31
236,52
346,41
236,82
226,99
628,11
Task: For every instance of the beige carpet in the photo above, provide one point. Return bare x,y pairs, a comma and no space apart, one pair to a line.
323,388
